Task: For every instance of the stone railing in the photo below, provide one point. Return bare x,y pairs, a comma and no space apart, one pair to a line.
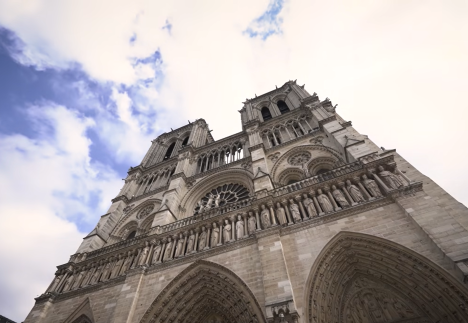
350,188
332,174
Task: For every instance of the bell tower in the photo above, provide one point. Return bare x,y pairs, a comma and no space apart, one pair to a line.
296,218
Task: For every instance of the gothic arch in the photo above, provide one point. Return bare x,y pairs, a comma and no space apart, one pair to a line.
82,314
281,164
132,214
203,290
363,278
232,175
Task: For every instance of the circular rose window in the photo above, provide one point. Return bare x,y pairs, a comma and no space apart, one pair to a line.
220,196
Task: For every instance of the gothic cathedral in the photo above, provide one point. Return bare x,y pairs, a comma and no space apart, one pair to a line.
297,218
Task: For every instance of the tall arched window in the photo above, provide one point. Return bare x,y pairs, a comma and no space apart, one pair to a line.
185,142
131,235
282,106
266,115
169,151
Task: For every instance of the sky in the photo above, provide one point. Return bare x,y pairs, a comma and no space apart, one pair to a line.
86,85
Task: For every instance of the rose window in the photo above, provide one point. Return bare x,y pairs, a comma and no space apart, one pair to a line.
299,159
222,195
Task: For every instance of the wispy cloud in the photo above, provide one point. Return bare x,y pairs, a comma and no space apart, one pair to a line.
95,81
269,23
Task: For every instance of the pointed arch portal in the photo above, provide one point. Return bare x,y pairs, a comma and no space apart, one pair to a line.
359,278
205,292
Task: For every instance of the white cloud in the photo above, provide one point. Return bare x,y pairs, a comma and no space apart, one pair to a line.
397,69
46,183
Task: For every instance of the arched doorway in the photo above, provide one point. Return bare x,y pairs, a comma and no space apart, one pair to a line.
205,292
358,278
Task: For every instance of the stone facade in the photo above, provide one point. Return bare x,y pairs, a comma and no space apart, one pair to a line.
297,218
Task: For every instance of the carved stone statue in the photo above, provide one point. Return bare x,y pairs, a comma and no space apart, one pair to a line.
143,255
168,250
180,246
265,217
227,231
105,272
217,200
280,214
202,208
156,252
190,242
339,197
294,209
214,235
252,223
390,179
309,205
355,192
210,201
202,239
372,186
240,227
127,263
324,202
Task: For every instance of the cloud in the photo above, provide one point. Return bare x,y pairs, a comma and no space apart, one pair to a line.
49,188
398,70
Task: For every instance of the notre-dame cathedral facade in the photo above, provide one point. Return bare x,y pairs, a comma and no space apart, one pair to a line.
297,218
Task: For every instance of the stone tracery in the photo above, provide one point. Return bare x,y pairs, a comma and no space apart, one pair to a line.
222,195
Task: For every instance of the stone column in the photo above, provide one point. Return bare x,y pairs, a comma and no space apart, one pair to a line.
379,181
272,212
148,257
233,228
286,209
182,253
345,190
220,239
332,199
246,224
195,245
316,203
258,218
163,250
208,237
298,199
403,175
364,191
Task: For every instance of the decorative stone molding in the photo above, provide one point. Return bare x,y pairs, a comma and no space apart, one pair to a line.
382,280
205,280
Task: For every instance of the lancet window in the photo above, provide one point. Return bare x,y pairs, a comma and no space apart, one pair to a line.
185,142
289,130
219,157
221,196
282,106
155,180
266,114
169,151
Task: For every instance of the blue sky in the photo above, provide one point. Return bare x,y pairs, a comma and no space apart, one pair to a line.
85,86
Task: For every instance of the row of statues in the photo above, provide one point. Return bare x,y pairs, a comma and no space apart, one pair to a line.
229,229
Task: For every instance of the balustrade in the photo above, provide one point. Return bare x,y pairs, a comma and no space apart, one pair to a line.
230,223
